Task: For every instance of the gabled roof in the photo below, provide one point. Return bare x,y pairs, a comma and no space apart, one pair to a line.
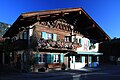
84,23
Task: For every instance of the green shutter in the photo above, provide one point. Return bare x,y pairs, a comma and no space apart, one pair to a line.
44,35
61,58
36,58
88,43
39,57
48,58
83,59
52,58
55,37
45,58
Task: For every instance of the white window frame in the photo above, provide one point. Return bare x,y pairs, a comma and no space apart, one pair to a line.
42,58
56,58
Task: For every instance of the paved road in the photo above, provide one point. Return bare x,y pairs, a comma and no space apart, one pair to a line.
101,76
108,72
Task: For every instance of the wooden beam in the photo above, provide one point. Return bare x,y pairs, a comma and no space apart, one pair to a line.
103,39
42,16
29,14
66,13
27,18
38,17
90,27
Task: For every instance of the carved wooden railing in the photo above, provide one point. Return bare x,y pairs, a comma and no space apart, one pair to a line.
18,44
59,44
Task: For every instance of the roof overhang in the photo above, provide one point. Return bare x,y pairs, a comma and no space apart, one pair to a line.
86,25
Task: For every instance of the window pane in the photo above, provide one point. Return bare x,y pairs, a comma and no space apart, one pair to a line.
56,58
80,41
25,35
78,59
49,36
55,37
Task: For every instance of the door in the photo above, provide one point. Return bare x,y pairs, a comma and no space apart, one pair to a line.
72,62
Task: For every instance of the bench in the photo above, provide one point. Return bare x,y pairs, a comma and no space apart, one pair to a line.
54,66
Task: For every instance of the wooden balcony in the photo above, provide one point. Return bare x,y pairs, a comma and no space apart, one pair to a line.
55,46
19,44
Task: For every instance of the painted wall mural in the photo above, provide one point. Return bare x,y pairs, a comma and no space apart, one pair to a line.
87,46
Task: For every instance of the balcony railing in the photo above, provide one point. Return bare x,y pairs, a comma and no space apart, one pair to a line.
18,44
59,44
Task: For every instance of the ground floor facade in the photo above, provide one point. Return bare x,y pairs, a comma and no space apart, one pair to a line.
79,61
35,61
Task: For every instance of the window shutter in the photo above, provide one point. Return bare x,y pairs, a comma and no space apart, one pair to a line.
44,35
55,37
39,57
25,35
52,58
61,58
83,59
88,43
48,58
36,57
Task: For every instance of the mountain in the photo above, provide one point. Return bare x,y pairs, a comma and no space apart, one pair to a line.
3,28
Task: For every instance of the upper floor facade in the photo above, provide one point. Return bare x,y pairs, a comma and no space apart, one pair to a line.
65,29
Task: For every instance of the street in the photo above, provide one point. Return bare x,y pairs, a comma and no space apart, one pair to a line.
109,72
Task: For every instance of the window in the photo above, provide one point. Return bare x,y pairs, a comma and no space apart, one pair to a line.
25,35
49,36
18,36
46,36
21,35
76,40
55,37
67,38
56,58
112,58
78,59
80,41
94,58
13,39
39,58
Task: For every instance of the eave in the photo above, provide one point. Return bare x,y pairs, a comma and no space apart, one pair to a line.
92,31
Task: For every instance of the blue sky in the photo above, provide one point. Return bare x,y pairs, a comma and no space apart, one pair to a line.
105,12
